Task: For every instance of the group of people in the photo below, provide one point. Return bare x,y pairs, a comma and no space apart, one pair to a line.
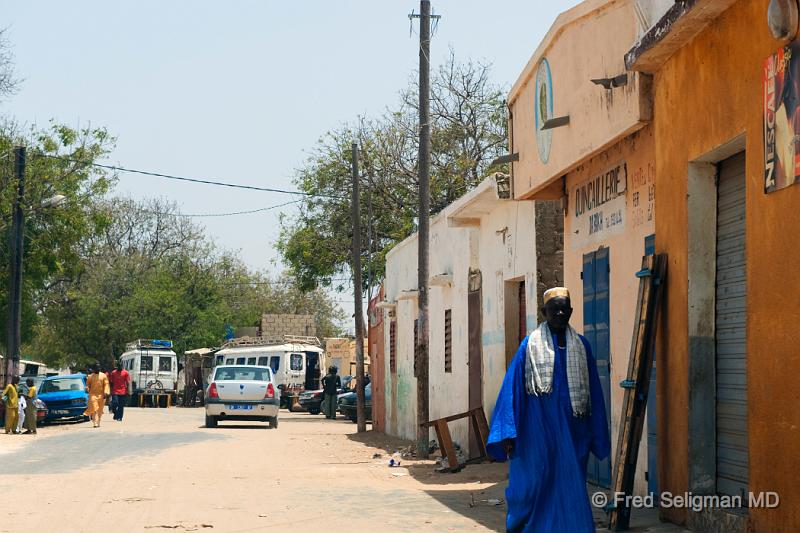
101,387
20,407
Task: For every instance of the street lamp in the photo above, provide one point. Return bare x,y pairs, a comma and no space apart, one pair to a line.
15,267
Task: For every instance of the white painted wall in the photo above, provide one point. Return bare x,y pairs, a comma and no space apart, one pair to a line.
499,240
504,256
450,254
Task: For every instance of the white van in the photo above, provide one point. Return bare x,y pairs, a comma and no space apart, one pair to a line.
295,366
152,365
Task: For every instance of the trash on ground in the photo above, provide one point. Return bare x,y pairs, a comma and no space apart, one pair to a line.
491,501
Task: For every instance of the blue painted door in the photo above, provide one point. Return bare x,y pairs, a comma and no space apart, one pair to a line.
652,425
596,327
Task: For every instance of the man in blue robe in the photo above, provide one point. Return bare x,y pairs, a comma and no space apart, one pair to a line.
549,415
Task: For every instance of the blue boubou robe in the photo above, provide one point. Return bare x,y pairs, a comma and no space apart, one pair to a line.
547,473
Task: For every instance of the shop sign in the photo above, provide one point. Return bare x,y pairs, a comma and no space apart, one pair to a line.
598,206
781,118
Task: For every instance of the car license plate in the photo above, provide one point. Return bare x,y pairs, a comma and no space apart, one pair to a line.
60,412
240,407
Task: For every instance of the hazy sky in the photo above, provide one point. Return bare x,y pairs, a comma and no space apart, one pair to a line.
239,91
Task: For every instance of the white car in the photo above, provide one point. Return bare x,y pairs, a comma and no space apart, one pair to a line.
242,392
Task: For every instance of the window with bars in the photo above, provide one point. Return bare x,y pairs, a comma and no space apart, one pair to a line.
448,341
393,346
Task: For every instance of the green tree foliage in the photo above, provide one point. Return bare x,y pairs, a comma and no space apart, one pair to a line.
468,130
57,163
153,274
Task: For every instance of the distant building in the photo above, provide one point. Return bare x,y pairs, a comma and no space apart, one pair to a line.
278,325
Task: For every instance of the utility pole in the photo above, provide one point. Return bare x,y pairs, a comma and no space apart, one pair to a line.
422,363
16,240
357,295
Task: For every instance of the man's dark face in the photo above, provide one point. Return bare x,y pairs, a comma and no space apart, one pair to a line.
119,366
557,312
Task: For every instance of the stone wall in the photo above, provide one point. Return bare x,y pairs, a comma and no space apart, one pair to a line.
278,325
549,222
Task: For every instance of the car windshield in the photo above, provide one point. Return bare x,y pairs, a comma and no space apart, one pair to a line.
62,385
241,373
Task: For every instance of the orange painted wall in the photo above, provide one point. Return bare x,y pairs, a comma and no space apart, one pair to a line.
709,92
376,368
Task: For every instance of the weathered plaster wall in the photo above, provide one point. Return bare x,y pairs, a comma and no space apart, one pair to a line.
708,93
587,42
450,254
507,251
625,241
502,246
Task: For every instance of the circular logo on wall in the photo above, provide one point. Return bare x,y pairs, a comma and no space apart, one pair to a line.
543,109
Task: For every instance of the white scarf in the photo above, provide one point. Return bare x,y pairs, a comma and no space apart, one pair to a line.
540,361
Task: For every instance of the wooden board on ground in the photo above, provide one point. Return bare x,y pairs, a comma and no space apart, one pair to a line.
480,426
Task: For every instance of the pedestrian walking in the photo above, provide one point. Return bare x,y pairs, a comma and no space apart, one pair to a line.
30,410
120,381
331,384
98,390
549,415
11,401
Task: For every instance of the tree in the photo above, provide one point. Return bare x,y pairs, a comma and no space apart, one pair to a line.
59,162
152,273
468,131
8,81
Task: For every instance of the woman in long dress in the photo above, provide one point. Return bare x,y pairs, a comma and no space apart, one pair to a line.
98,390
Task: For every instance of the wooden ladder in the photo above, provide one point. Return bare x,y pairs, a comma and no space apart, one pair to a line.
651,284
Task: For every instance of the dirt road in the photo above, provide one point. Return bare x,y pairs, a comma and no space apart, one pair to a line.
160,470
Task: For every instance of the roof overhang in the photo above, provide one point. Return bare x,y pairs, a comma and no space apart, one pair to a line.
482,200
410,294
679,25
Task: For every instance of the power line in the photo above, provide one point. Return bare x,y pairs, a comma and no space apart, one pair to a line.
233,213
192,180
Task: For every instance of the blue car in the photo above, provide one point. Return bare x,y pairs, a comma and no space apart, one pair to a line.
65,396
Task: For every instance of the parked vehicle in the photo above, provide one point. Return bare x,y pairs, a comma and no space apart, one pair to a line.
242,392
64,396
311,401
347,404
152,364
295,363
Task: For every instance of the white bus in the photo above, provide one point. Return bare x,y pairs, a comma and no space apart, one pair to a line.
152,364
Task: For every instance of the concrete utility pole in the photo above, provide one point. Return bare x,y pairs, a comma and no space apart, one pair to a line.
357,296
16,241
422,363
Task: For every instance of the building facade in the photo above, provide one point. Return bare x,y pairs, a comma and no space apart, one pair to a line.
375,336
581,133
725,114
482,288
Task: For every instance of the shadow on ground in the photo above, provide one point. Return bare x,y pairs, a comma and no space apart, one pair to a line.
487,480
477,505
73,451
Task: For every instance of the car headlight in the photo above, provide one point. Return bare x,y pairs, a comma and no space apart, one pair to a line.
77,401
39,404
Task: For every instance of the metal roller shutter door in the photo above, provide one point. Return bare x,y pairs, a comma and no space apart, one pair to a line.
731,330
